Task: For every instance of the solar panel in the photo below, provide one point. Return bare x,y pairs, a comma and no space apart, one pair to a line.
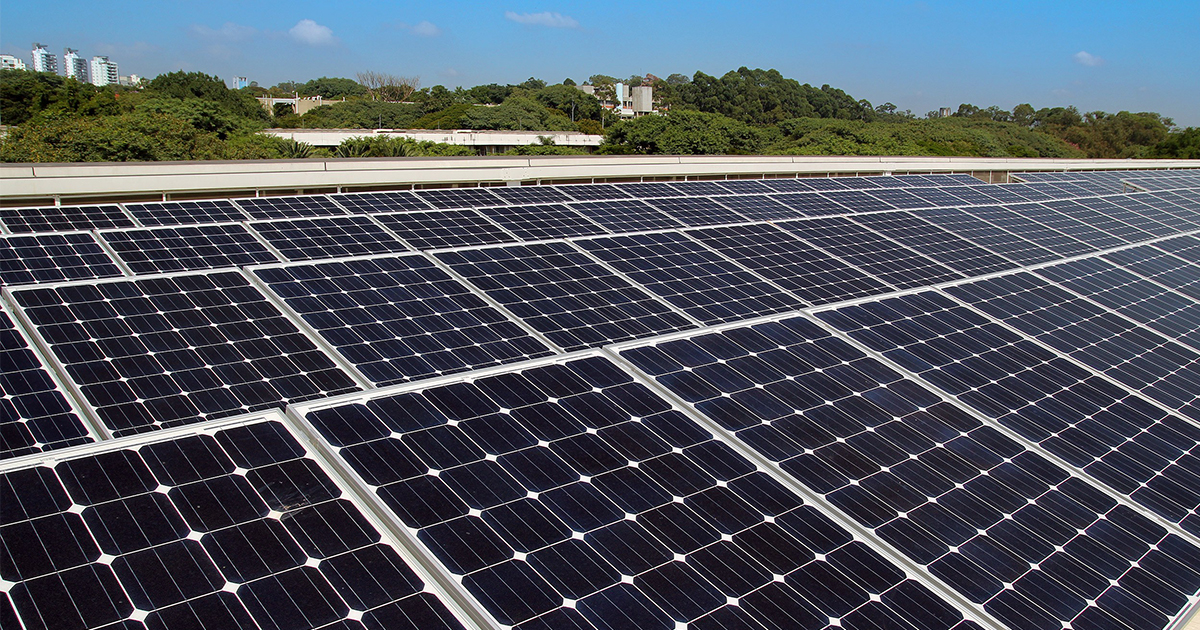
745,186
881,257
973,195
1107,221
699,189
937,197
1159,210
460,197
332,237
695,211
1005,527
934,242
793,185
625,215
239,527
36,414
185,212
289,207
27,259
1002,193
811,204
815,276
63,218
758,207
529,194
1156,264
542,222
992,237
857,200
1084,419
1050,190
567,495
1031,230
899,198
913,180
573,300
186,248
592,192
399,318
1123,209
161,351
369,203
952,179
444,228
685,273
814,183
647,190
1066,224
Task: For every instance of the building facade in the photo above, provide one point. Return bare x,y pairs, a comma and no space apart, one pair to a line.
237,83
9,62
74,66
43,59
104,72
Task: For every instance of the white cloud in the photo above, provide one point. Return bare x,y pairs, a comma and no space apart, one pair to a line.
313,34
425,28
229,32
1085,58
545,18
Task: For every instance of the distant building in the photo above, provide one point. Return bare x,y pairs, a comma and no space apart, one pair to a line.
299,104
43,59
627,101
9,62
132,80
945,112
237,83
104,72
74,66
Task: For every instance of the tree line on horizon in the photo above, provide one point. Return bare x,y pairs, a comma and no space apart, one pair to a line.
194,116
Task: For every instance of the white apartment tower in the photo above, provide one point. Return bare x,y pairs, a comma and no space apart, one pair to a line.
104,72
75,66
43,59
9,62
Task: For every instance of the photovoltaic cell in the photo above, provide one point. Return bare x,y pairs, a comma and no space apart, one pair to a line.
793,185
1121,209
899,198
759,207
562,293
1066,224
35,415
973,195
937,197
63,218
1154,262
879,256
568,495
811,204
694,278
27,259
857,200
625,215
289,207
745,186
529,194
1003,526
938,244
333,237
592,192
1106,220
444,228
1119,438
401,318
185,212
370,203
1028,192
1160,211
163,351
647,190
818,183
777,255
1031,230
952,179
542,222
1002,193
992,237
699,189
240,529
695,211
460,197
187,248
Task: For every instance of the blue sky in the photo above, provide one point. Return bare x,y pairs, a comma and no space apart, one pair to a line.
1098,55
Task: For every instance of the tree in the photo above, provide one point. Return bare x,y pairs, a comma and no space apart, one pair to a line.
184,85
388,87
678,79
569,81
516,113
1023,115
571,101
682,132
532,84
1179,145
333,87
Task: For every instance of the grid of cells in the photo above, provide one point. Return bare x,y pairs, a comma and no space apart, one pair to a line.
1001,194
788,185
994,238
1189,201
811,204
459,198
936,243
1105,221
520,195
593,192
400,318
444,228
745,187
810,273
574,300
646,190
571,496
1156,263
857,200
1028,192
1119,438
758,207
63,218
290,207
186,248
381,202
239,530
34,413
1030,230
625,215
879,256
164,351
899,198
1003,526
937,197
185,212
332,237
542,222
1158,210
699,189
973,196
1118,209
694,278
696,211
31,258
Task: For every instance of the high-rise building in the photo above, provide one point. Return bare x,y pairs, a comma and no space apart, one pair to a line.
237,83
75,66
104,71
43,59
9,62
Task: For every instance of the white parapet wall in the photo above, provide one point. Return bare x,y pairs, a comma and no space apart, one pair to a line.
459,137
66,183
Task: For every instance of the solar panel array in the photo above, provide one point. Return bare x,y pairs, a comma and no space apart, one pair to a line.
910,401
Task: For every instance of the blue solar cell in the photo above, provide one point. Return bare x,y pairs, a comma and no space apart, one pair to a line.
34,258
167,249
